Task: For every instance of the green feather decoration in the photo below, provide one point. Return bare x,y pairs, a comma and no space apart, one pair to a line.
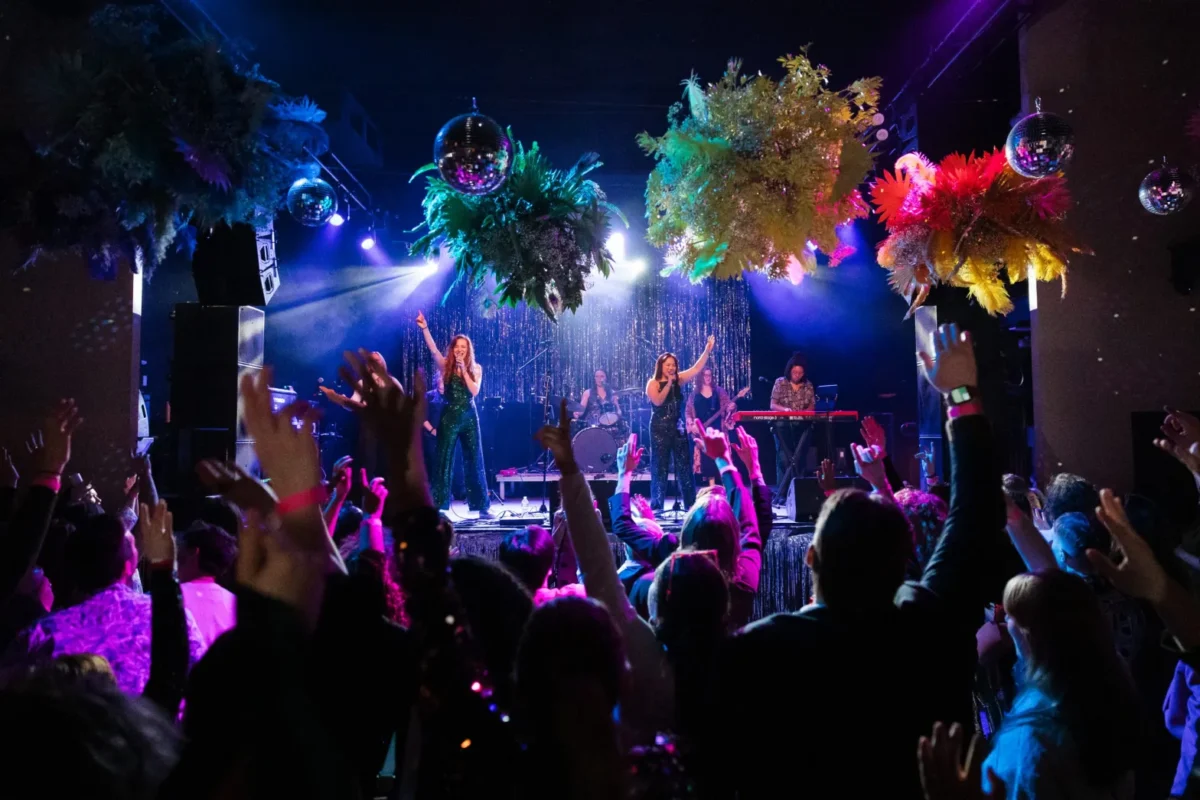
757,169
541,235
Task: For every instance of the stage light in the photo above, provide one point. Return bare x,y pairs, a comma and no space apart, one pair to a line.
337,220
623,267
367,242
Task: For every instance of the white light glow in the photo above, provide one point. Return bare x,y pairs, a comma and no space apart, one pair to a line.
624,268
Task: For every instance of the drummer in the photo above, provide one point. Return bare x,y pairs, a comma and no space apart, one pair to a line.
599,404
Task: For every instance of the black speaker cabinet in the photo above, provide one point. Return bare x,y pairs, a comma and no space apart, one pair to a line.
236,266
804,497
214,347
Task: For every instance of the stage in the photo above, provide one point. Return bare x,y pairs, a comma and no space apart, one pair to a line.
785,582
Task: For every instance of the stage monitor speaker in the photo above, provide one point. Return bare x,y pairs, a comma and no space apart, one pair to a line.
236,266
805,496
214,347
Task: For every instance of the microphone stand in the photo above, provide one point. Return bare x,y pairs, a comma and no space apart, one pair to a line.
542,509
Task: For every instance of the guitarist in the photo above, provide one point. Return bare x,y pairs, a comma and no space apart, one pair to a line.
713,406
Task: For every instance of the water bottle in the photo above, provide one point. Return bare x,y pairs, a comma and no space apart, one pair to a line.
524,505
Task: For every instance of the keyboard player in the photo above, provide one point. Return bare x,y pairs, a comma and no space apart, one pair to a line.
792,392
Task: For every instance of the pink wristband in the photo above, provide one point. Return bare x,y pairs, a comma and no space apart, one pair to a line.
294,502
965,409
49,480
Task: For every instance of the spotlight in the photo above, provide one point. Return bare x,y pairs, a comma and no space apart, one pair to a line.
623,267
337,220
367,242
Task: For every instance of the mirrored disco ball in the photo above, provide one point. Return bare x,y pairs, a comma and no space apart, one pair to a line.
312,202
1040,145
473,154
1166,190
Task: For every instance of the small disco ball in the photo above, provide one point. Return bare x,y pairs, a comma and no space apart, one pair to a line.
1166,190
312,202
473,154
1040,145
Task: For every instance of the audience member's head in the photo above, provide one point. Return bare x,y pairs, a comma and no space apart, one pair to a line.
860,550
78,665
98,555
689,601
570,652
497,607
349,520
81,736
926,513
1067,647
222,513
710,524
205,551
1074,535
528,554
1067,493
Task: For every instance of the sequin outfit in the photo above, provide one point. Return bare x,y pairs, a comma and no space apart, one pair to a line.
460,423
667,443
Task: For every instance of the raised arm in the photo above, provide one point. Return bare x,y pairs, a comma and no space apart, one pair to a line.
438,358
652,688
957,571
694,369
645,544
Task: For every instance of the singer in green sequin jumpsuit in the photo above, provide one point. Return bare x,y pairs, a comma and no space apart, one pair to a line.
459,422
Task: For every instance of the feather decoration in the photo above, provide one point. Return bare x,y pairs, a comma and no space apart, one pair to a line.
970,221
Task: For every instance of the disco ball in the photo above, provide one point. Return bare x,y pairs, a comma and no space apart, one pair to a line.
1040,145
473,154
1166,190
312,202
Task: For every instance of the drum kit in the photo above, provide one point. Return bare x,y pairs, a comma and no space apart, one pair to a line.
596,445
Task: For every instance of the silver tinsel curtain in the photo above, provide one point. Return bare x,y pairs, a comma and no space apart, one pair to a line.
620,329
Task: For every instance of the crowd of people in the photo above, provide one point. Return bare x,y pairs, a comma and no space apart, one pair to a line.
978,639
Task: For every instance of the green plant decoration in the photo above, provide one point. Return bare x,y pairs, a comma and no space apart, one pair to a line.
541,235
758,170
143,135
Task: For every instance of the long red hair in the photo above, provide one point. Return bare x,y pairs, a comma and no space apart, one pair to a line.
469,364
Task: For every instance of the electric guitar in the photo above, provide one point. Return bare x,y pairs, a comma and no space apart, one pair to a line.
728,424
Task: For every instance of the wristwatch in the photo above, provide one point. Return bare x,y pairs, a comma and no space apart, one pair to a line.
962,394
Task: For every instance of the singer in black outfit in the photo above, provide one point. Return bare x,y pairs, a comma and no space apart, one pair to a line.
668,441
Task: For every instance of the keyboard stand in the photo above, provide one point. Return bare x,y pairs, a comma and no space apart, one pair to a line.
781,488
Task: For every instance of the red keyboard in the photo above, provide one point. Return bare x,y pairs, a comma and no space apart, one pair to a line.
799,416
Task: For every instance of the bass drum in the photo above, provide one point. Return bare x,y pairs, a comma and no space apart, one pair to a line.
595,450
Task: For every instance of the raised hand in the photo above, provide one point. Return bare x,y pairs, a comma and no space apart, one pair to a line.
1181,432
9,477
747,450
51,446
158,534
874,435
270,564
288,456
557,439
343,476
629,456
1139,574
952,363
827,477
942,777
237,486
714,443
708,346
869,464
374,497
421,323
